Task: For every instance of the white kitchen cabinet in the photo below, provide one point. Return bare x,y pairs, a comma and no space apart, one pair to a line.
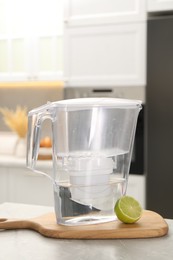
105,43
3,184
113,55
137,189
31,40
26,59
24,186
87,12
21,185
159,5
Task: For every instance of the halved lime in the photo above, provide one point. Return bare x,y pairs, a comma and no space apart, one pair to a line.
128,209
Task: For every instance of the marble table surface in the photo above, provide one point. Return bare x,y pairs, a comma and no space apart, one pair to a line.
30,245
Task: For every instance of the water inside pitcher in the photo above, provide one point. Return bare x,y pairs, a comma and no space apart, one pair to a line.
91,153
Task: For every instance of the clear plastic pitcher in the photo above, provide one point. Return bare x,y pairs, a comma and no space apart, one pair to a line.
91,153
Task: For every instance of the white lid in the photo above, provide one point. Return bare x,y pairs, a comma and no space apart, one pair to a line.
88,103
98,102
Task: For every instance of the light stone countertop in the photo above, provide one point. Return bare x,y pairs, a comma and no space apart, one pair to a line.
28,244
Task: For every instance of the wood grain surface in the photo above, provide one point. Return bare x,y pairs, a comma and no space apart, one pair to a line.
150,225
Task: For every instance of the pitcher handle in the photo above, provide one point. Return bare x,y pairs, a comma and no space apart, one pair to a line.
35,120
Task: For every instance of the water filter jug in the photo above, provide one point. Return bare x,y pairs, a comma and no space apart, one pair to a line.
92,142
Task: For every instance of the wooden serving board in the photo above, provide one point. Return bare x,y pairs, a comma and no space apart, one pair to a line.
150,225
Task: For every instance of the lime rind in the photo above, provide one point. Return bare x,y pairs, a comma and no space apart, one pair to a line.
128,210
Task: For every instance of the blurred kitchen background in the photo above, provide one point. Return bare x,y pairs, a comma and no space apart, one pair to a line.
59,49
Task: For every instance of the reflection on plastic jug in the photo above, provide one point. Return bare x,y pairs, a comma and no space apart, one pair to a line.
70,207
92,203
